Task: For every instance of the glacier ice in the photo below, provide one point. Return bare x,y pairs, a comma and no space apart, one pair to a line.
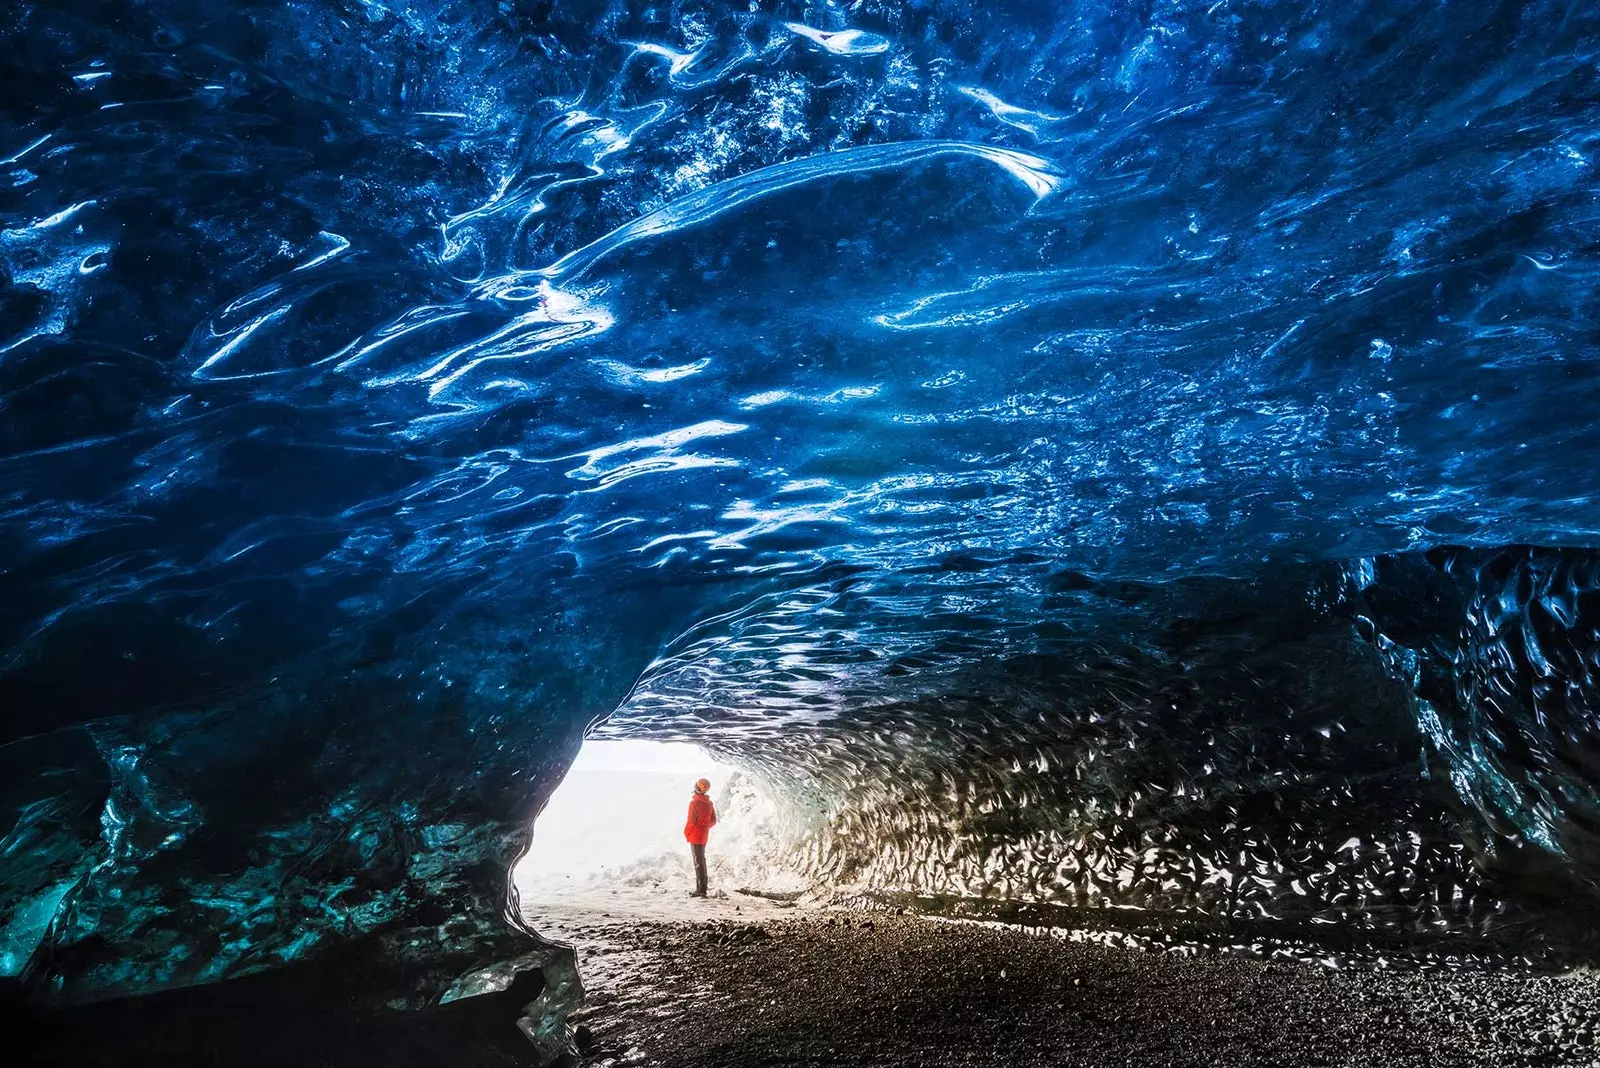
1089,455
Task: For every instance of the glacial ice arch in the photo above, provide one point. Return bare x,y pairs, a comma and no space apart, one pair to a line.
909,473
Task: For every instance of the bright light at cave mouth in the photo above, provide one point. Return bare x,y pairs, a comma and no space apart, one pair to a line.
614,828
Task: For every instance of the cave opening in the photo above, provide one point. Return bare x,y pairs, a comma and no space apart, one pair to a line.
610,840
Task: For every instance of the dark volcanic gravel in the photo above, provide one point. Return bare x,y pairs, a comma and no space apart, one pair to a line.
911,991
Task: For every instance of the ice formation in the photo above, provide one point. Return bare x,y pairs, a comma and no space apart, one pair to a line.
1128,458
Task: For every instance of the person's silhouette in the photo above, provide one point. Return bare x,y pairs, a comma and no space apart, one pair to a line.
702,817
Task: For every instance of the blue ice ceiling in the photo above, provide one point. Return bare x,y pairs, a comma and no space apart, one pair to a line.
389,390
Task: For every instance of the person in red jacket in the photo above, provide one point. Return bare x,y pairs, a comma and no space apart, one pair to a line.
702,817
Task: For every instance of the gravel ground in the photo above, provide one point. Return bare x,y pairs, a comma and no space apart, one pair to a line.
759,986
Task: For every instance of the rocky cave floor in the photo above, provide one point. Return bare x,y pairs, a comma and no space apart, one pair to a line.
745,983
741,982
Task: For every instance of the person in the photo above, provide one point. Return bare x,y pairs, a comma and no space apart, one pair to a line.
702,817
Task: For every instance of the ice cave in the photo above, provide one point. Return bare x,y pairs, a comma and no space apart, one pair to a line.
1103,491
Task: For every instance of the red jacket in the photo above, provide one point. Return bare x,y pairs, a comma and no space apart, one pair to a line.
702,817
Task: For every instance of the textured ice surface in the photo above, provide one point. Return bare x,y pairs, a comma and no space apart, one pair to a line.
1080,450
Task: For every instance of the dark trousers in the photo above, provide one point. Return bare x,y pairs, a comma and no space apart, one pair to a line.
700,879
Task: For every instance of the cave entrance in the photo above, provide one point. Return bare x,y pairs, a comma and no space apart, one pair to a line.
611,837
